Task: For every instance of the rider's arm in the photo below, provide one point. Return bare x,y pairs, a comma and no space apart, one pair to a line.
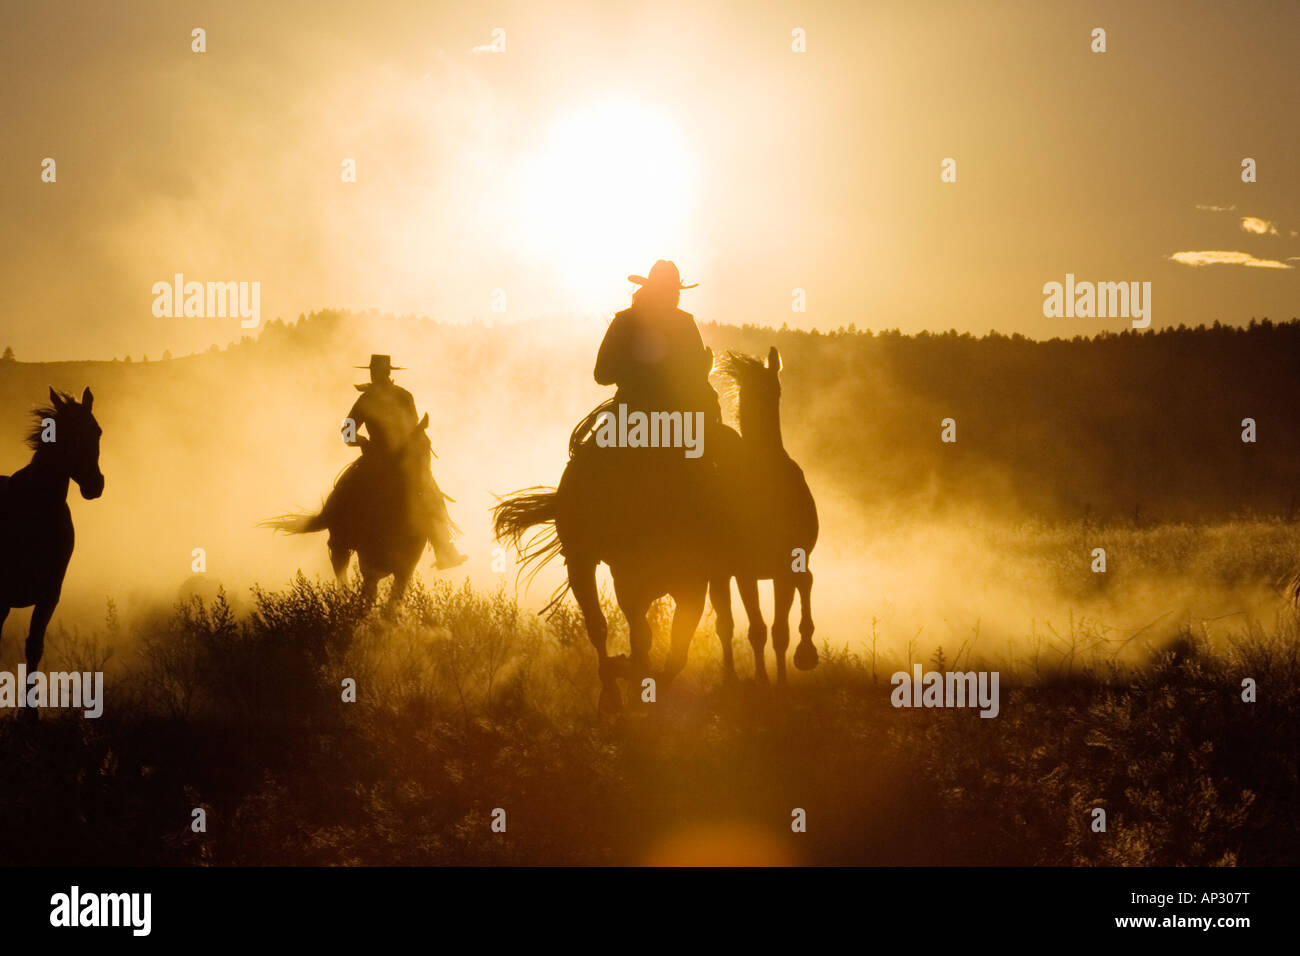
357,416
694,332
610,360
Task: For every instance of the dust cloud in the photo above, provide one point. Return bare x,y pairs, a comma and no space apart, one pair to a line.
198,450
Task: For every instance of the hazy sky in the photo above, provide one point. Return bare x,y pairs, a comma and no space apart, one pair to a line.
609,134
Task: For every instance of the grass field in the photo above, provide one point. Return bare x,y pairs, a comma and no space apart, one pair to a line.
467,702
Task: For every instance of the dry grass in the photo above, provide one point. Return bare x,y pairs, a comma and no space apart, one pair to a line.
466,703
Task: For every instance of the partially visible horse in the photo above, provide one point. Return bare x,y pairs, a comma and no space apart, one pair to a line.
36,534
771,522
375,510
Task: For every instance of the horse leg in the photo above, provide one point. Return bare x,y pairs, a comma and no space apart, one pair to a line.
400,581
339,558
369,582
805,655
720,597
783,597
635,604
41,615
686,617
582,581
748,588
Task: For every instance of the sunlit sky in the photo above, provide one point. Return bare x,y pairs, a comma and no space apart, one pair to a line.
607,135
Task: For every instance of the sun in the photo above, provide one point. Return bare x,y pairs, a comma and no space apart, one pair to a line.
609,188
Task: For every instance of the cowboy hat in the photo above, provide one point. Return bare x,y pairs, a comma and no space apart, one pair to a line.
663,273
382,363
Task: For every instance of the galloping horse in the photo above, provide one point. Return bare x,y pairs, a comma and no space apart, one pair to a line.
740,511
375,511
771,522
648,513
36,535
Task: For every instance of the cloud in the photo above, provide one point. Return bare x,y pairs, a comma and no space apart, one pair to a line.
1216,208
1260,227
1223,258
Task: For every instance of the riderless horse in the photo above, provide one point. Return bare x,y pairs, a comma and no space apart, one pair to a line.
772,520
36,534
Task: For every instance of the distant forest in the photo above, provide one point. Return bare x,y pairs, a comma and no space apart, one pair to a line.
1132,427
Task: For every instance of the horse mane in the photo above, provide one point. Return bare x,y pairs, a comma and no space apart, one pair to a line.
737,364
737,367
39,415
376,450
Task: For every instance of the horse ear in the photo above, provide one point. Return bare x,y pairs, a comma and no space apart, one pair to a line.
87,399
55,399
774,359
424,422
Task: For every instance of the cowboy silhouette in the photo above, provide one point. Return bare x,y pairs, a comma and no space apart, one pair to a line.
654,354
388,413
653,351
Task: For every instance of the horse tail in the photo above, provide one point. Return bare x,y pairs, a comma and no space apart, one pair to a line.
512,517
296,523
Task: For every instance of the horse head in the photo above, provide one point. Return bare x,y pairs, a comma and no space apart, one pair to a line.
415,450
758,390
411,445
67,433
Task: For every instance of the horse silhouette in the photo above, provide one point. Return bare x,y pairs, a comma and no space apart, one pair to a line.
771,522
375,510
36,534
650,515
667,526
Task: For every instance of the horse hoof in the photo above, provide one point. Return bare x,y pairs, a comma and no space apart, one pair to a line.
805,656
